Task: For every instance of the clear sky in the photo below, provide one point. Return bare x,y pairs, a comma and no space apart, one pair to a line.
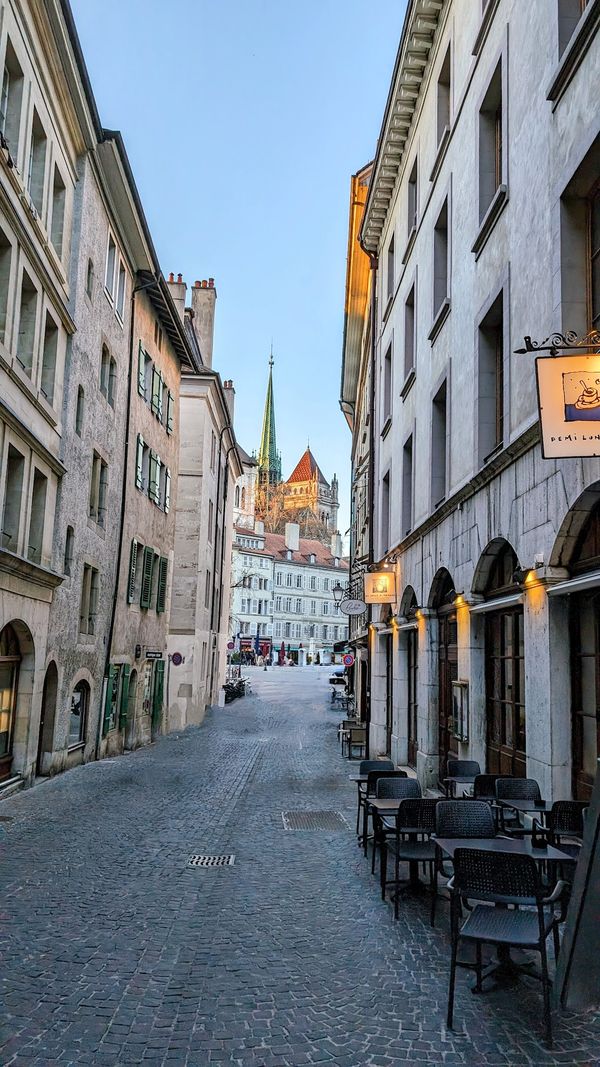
243,121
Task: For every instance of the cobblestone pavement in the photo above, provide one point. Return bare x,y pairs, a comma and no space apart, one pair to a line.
114,951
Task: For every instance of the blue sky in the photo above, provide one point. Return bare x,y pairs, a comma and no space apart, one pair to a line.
243,121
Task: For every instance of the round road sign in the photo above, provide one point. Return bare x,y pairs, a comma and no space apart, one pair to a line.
348,660
177,659
230,646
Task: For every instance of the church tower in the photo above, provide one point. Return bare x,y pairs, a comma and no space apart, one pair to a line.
269,459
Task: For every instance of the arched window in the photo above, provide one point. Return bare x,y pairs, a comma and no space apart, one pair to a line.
10,659
243,498
500,579
586,555
237,496
80,702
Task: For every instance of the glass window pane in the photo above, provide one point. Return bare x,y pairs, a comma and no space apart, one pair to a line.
7,699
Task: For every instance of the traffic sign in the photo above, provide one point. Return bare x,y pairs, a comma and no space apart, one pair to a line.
230,646
348,660
177,659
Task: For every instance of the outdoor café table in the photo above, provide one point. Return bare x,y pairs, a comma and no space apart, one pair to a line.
526,807
457,779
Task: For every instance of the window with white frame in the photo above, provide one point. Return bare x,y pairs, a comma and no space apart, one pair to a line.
36,165
11,101
111,262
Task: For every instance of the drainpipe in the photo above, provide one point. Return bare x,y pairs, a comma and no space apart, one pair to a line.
111,629
371,554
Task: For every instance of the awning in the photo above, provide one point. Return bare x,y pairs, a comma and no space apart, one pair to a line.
575,585
497,605
340,646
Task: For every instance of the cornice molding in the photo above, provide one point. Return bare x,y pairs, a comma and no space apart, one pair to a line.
420,26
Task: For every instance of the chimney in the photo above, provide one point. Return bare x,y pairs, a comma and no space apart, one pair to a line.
204,296
229,397
178,290
336,546
259,526
292,536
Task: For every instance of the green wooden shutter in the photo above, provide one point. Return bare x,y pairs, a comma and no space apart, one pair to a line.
156,387
147,568
159,409
167,490
139,463
124,705
110,682
154,480
141,371
133,564
170,412
159,685
161,592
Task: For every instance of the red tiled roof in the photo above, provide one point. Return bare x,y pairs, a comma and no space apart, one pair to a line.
275,546
306,469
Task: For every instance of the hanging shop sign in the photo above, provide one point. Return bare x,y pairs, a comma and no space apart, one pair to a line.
353,607
568,387
380,587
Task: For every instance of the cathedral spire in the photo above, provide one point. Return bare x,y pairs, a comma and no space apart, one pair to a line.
269,460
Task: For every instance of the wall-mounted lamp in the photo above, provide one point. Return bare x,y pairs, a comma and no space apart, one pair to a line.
338,592
452,597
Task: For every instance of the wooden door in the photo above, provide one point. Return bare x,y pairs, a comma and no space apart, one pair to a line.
412,678
505,693
448,673
585,691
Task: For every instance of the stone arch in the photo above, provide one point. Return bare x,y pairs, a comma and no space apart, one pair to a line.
486,562
573,526
441,586
45,745
408,602
20,712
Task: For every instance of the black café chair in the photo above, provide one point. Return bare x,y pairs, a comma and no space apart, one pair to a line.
357,739
462,818
565,824
501,879
460,768
392,788
364,767
515,789
369,791
412,844
484,787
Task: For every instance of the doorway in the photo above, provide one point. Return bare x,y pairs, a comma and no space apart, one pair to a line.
585,691
10,663
448,673
389,693
412,642
131,711
47,717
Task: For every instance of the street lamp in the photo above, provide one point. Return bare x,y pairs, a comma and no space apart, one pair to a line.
338,592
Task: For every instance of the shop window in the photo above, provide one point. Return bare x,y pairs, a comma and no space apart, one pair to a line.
490,392
36,166
78,714
37,517
5,265
13,498
11,101
58,213
49,353
439,432
27,320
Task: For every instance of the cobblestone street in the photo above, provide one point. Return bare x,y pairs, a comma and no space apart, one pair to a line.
114,951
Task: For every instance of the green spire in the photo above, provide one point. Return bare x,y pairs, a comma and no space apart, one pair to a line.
269,460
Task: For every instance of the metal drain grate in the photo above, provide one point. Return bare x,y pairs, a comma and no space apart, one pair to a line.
314,820
211,861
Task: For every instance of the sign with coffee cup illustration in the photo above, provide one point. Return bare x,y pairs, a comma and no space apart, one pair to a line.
569,402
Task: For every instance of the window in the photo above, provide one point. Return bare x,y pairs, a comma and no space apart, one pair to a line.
68,556
36,520
313,607
207,590
148,564
490,390
144,372
213,450
312,582
407,486
134,558
89,600
79,411
438,447
277,629
325,584
27,320
298,606
312,559
120,308
166,490
594,259
440,261
298,581
13,495
80,702
109,275
385,512
287,604
390,269
279,578
443,98
289,578
49,359
491,163
36,166
156,394
157,335
203,661
161,592
413,206
98,490
108,376
409,333
387,387
211,520
58,213
171,413
142,463
326,607
5,263
569,13
89,279
277,603
10,102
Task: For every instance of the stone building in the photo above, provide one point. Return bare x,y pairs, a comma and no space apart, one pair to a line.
481,222
209,467
42,135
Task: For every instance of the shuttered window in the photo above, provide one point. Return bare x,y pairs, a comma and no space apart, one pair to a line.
154,481
167,490
147,569
156,400
161,592
170,412
141,371
133,567
139,462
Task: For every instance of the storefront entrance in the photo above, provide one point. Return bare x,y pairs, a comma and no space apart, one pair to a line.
412,641
448,673
389,693
10,661
505,668
585,690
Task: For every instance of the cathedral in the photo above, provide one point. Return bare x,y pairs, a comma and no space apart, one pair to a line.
306,498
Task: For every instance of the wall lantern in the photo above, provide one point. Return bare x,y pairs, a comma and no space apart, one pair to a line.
380,587
568,386
338,592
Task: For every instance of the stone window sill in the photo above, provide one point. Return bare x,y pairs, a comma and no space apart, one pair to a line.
440,319
388,306
408,383
486,22
575,51
76,747
409,245
441,154
490,219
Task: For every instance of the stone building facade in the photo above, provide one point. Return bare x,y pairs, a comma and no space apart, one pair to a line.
482,221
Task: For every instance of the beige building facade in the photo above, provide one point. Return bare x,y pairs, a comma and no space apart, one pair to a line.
482,221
